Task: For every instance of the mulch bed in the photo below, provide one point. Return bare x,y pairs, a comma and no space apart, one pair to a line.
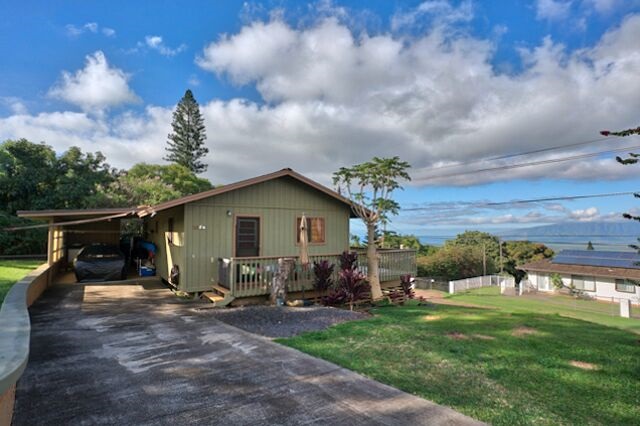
272,321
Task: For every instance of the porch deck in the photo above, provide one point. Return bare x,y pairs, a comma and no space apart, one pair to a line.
252,276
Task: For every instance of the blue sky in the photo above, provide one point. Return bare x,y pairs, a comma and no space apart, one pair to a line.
319,85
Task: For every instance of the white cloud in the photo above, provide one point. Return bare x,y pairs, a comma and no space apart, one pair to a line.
586,215
125,139
91,27
156,43
431,99
334,98
440,10
95,87
553,9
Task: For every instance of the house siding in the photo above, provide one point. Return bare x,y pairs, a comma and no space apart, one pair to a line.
278,202
605,288
169,254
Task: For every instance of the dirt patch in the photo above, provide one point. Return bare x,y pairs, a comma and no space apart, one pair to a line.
457,336
584,365
483,337
523,331
432,317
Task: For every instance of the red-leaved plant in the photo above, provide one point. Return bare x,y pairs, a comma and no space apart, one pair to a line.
348,260
354,285
323,275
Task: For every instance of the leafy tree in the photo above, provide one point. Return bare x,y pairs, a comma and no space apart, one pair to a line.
33,177
29,241
148,184
590,246
453,262
354,241
186,142
483,241
79,178
370,186
27,175
519,252
394,240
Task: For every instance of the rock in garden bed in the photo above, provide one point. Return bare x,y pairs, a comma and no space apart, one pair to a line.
275,321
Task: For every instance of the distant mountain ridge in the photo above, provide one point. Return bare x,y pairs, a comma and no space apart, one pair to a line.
579,229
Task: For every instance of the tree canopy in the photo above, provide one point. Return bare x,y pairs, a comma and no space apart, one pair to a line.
370,186
185,145
34,177
149,184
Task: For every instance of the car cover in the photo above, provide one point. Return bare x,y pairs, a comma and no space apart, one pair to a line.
99,262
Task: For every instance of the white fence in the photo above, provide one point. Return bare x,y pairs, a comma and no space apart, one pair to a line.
465,284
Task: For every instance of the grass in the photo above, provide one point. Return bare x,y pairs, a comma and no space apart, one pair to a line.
505,368
11,271
588,310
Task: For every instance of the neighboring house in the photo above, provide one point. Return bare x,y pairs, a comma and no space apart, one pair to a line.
602,275
229,239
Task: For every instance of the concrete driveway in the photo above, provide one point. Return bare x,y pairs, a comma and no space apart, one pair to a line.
128,354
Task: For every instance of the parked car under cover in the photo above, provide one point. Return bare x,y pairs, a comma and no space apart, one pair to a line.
100,262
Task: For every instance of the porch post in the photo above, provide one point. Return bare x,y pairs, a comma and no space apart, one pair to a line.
50,243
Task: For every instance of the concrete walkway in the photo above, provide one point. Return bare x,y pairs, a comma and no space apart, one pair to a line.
127,354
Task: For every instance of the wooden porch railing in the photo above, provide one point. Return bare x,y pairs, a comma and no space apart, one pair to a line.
252,276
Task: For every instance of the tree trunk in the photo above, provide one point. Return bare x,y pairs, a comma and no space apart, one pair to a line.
372,263
279,283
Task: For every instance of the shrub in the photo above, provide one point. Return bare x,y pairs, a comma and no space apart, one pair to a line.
348,260
323,275
354,285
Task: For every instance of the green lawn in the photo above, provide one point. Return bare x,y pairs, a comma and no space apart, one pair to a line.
588,310
500,367
12,271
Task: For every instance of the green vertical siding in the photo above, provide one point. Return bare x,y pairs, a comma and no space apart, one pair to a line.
169,254
210,229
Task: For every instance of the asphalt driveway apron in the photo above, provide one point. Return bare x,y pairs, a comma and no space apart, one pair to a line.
130,355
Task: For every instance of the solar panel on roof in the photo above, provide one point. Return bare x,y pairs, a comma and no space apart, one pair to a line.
611,259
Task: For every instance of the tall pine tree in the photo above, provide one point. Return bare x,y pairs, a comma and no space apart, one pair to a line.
186,142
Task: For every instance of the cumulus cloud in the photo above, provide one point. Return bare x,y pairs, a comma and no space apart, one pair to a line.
155,42
125,139
95,87
332,97
432,99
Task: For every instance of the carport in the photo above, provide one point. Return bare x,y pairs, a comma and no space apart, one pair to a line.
70,230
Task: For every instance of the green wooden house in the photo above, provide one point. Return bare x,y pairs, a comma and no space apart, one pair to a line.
227,241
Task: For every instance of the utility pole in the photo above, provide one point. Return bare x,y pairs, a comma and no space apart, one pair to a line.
500,242
484,259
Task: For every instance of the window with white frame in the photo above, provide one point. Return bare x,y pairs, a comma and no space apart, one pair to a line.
584,283
625,286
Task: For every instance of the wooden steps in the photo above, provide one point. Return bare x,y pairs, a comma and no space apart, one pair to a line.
213,297
221,290
219,296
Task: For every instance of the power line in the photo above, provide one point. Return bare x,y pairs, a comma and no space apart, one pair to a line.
533,200
536,151
534,163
